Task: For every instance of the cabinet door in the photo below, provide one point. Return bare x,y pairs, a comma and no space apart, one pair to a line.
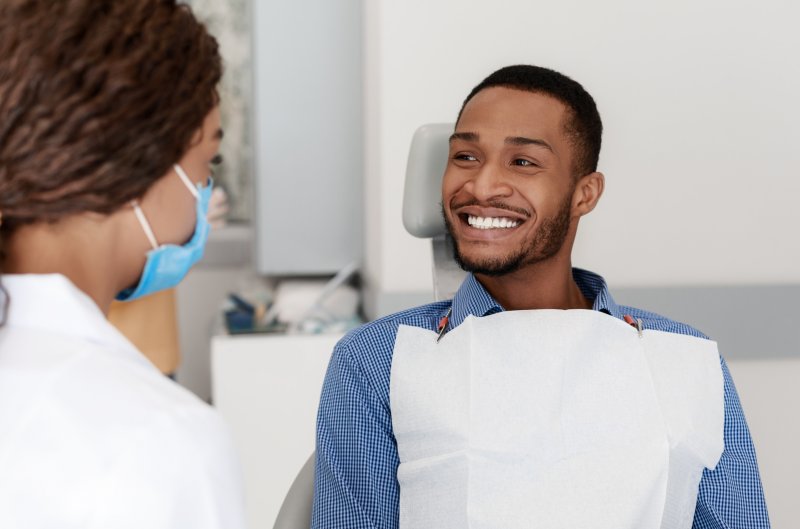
308,135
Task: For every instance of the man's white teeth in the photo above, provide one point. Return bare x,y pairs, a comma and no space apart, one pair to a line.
488,223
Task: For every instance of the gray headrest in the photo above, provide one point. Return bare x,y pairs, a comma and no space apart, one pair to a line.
422,197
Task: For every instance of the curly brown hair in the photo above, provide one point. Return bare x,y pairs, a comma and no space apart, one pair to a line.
98,98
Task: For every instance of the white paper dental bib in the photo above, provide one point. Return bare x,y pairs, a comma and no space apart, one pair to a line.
553,419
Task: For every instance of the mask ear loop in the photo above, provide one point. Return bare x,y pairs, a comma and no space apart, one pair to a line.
145,225
186,180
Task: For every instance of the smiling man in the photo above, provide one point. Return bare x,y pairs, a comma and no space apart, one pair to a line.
544,403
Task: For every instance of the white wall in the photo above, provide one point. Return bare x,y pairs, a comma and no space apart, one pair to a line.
770,398
701,121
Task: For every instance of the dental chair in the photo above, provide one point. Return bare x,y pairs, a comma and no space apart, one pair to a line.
422,218
295,511
422,203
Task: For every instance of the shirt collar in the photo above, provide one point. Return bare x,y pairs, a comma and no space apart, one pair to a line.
594,287
473,299
52,304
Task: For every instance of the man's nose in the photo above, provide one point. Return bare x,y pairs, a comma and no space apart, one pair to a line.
488,182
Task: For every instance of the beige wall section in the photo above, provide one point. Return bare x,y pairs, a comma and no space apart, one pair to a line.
770,396
226,267
200,297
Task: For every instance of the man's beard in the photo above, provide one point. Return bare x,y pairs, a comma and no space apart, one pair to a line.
546,243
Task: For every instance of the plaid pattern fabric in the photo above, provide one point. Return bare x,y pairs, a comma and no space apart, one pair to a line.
356,485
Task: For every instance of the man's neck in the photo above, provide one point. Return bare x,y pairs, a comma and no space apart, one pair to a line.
545,285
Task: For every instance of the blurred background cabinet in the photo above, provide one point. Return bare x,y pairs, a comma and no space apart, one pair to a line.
267,388
308,139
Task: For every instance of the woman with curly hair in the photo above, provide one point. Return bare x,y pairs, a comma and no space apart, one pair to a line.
108,123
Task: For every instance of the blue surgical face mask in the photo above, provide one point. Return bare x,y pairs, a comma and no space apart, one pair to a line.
168,264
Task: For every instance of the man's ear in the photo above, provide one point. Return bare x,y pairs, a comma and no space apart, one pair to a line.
587,193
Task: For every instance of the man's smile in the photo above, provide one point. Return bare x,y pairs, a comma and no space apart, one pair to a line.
489,223
479,222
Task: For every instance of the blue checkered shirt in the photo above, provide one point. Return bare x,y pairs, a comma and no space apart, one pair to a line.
356,469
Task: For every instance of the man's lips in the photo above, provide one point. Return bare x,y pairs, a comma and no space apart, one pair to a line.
491,212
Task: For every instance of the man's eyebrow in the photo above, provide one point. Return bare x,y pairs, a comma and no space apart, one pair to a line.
520,140
464,136
511,140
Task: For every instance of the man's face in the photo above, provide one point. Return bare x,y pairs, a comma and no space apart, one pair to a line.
507,190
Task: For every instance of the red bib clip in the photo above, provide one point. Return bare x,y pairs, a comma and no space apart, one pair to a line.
442,327
637,323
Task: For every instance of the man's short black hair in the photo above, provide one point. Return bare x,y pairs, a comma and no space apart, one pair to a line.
583,126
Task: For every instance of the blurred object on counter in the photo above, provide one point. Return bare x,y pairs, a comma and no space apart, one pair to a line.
305,306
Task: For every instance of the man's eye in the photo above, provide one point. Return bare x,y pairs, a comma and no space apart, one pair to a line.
465,157
521,162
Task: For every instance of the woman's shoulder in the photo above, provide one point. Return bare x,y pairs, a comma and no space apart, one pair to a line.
71,408
101,390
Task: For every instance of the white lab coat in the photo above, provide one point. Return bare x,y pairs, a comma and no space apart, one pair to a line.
92,435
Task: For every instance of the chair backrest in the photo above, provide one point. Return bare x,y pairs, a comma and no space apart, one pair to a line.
422,199
296,509
427,160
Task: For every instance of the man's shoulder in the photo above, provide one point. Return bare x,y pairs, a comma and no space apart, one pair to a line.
382,331
657,322
368,349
